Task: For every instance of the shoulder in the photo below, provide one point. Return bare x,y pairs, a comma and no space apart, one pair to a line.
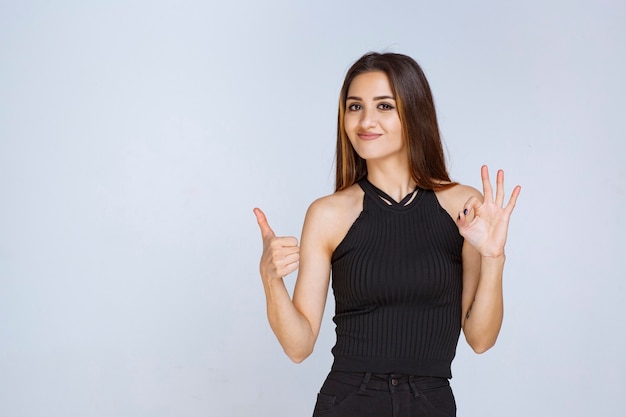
339,200
459,192
453,198
332,215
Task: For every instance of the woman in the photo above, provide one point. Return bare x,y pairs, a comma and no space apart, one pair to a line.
415,257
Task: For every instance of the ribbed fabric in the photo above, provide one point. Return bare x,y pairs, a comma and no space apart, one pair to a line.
397,281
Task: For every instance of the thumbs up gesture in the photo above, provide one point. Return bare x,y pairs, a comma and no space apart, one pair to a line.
280,254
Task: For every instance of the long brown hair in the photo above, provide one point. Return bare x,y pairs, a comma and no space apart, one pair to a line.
418,118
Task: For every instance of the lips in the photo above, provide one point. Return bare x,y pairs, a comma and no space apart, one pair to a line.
369,136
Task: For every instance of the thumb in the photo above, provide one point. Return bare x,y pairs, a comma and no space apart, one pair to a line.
266,230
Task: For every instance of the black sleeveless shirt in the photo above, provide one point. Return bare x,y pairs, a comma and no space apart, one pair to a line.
397,281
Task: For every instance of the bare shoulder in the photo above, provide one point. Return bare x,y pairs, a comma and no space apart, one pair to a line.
453,199
339,200
334,214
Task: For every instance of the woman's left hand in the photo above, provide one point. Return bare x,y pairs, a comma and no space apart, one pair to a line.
487,229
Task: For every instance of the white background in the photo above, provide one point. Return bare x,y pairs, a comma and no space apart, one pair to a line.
137,136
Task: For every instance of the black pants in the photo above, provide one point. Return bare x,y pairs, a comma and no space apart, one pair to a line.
354,394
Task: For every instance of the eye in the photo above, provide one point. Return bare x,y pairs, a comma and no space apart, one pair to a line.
354,107
385,106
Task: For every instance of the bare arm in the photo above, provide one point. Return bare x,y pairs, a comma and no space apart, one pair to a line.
296,322
484,225
483,305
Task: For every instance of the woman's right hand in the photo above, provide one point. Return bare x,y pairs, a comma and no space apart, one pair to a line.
280,254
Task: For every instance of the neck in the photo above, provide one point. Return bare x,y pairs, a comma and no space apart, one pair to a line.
393,179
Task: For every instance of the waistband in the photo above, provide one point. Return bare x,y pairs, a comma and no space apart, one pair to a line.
389,382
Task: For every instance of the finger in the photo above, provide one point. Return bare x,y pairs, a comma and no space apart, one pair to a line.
511,205
285,264
291,258
461,220
468,211
487,191
289,242
284,245
288,269
500,188
266,230
471,205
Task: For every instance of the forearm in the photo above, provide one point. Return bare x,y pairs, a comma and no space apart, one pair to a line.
291,328
483,321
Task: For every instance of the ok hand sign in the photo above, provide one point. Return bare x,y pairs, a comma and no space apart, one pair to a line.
489,226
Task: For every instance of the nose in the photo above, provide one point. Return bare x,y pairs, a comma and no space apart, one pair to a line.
368,118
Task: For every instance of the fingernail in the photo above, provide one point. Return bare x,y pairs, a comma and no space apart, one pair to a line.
465,212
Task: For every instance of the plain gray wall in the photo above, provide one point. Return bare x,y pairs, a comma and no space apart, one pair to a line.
137,136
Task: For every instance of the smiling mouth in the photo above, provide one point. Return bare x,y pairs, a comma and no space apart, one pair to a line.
369,136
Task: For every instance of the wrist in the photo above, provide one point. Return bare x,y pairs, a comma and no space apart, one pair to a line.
274,281
494,259
496,255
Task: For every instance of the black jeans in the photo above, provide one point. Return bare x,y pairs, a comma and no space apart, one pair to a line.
358,394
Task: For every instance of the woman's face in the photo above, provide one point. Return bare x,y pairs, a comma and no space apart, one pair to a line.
371,119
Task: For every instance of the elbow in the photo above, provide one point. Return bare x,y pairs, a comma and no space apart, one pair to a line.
481,339
298,356
481,347
297,359
297,348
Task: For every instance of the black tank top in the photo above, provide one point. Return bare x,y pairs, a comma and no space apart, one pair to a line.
397,281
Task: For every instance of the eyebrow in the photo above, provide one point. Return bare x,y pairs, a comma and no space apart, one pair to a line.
377,98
